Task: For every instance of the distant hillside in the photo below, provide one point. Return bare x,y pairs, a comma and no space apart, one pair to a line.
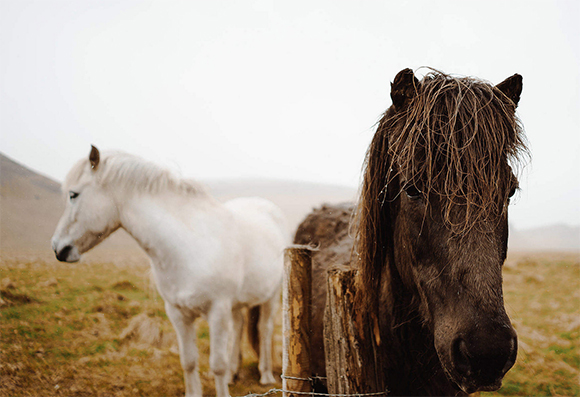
31,205
549,238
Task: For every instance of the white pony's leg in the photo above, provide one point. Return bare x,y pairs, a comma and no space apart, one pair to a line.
236,352
186,338
220,323
268,311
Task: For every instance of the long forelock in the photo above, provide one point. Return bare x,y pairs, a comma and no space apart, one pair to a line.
133,174
458,139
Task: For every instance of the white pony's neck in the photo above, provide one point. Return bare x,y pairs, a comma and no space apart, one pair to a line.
156,221
152,201
170,228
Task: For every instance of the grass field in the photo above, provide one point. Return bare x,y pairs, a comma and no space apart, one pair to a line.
542,296
65,332
98,328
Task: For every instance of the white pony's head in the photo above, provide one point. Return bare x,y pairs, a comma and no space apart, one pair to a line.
90,214
96,187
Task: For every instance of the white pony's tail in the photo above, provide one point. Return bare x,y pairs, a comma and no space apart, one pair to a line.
253,334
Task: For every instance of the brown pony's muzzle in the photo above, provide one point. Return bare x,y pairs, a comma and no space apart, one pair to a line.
480,358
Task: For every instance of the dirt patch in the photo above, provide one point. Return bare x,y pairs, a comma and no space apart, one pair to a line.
146,331
9,298
110,303
125,286
6,283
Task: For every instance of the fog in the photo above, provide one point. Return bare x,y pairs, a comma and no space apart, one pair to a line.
285,90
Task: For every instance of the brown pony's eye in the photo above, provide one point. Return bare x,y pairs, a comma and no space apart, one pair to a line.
413,192
512,191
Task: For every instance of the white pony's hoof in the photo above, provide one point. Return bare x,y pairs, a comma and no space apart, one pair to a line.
267,379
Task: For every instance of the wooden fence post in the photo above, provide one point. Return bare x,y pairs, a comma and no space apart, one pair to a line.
297,286
349,340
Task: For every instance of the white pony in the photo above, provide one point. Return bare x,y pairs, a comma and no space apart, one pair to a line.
209,259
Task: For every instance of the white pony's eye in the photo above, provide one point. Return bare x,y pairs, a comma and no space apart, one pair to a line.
73,195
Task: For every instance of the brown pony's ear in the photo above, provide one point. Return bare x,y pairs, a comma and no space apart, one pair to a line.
404,88
94,158
512,88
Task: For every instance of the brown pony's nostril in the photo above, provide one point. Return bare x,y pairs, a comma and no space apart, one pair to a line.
461,358
62,255
513,355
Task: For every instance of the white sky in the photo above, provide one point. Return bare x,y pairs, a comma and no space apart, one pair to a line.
277,89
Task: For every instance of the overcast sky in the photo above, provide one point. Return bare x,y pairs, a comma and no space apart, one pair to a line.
277,89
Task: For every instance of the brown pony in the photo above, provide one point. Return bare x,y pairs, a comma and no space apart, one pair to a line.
431,235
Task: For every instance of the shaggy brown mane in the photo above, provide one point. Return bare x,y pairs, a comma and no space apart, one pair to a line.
455,141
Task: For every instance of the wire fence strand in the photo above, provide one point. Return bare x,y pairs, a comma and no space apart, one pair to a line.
311,393
304,379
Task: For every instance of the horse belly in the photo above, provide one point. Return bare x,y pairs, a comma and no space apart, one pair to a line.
263,269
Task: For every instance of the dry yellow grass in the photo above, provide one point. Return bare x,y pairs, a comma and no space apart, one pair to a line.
95,329
542,296
98,328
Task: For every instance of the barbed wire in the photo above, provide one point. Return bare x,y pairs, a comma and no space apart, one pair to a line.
311,393
304,379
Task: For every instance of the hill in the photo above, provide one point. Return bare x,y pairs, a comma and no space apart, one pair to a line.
562,238
31,205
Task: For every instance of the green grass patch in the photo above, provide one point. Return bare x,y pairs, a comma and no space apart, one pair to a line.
68,333
542,296
61,325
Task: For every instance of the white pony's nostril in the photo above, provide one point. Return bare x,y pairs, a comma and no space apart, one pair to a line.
68,253
63,254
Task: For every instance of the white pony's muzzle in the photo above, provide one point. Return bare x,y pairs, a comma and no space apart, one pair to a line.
66,252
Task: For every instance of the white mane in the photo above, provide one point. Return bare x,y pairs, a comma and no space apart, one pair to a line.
134,174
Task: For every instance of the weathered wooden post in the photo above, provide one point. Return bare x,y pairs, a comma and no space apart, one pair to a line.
297,286
350,340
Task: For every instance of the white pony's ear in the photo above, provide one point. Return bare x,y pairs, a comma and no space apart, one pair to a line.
94,158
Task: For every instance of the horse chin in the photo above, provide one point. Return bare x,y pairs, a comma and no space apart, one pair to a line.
470,386
73,259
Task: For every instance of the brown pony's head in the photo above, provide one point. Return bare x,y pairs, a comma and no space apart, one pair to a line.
433,217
